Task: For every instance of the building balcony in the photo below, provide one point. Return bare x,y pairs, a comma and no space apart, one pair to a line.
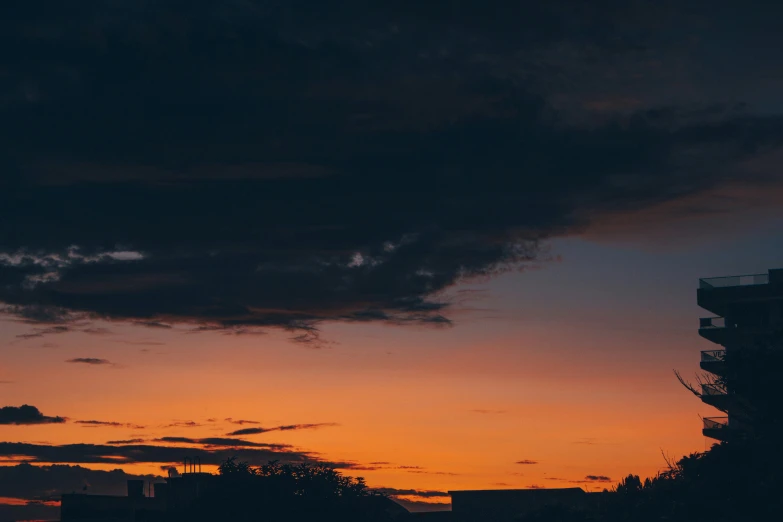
710,283
713,361
715,395
717,294
713,329
716,428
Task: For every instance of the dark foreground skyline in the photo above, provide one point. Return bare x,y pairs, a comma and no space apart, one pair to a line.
443,246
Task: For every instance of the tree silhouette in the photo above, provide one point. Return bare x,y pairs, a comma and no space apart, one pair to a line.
292,493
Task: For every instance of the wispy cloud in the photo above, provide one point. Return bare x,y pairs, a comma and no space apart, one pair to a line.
40,332
110,424
183,424
526,462
89,360
220,441
587,479
241,421
96,331
597,478
287,427
153,324
141,343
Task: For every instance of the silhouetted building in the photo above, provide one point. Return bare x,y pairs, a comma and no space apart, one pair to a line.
111,508
748,310
508,505
176,494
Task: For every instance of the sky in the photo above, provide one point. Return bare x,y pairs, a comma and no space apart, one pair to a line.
442,246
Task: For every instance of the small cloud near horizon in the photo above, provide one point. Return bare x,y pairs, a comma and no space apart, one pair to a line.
241,421
597,478
288,427
26,415
89,360
111,424
183,424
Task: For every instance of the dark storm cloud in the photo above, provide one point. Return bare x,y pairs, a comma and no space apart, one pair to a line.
245,164
88,360
150,453
26,414
288,427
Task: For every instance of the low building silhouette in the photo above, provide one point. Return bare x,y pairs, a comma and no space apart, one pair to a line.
176,494
508,505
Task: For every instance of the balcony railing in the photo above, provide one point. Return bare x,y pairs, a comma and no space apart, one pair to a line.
712,322
713,389
713,355
716,423
740,280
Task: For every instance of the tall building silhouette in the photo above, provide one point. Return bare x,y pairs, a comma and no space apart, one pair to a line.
748,315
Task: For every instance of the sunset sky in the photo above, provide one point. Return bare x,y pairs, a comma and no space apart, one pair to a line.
443,247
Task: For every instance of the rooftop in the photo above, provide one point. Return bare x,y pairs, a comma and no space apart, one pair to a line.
738,280
518,491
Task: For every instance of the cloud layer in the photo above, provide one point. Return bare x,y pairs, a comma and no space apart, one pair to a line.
162,453
243,165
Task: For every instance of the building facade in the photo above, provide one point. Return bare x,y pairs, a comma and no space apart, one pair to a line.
176,494
747,324
509,505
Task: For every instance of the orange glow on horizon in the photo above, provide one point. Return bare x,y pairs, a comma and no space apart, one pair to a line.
405,408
